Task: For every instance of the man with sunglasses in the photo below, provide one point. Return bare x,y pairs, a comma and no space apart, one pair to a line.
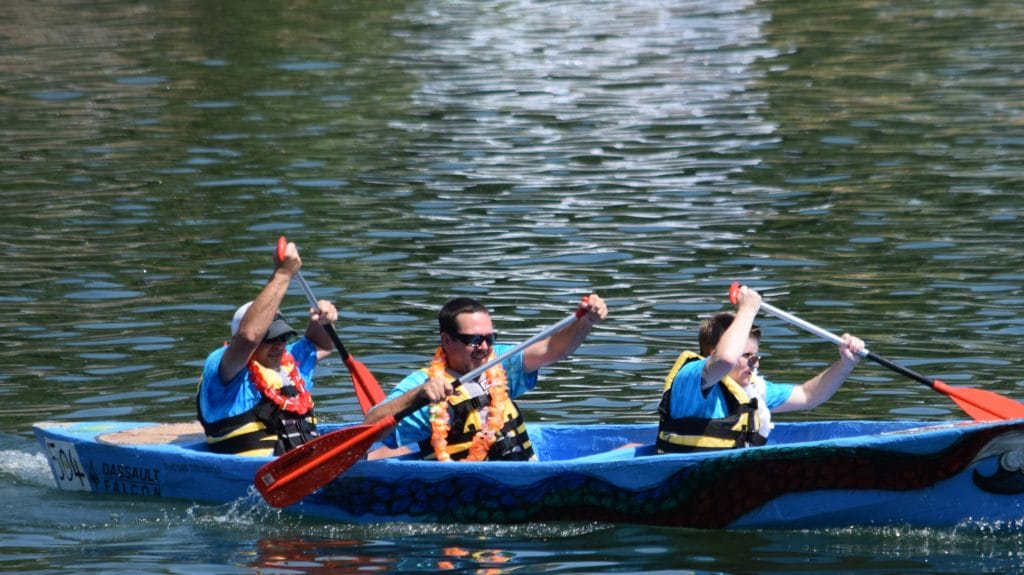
254,393
478,420
717,400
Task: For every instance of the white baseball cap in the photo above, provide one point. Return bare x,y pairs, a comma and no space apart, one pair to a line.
277,328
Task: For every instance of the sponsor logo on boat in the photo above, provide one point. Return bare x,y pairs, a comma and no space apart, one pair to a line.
127,479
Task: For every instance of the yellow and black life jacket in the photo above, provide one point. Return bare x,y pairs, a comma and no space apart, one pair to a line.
688,434
266,429
464,421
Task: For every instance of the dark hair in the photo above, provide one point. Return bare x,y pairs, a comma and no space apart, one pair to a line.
446,322
711,331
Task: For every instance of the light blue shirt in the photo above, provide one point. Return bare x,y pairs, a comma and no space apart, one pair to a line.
688,400
416,427
217,400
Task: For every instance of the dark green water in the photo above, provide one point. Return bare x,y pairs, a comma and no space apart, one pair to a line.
857,161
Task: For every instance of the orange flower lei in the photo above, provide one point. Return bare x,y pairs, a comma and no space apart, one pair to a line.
269,383
439,418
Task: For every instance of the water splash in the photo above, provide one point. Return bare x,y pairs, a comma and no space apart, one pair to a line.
26,468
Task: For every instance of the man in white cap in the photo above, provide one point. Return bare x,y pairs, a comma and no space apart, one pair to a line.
254,394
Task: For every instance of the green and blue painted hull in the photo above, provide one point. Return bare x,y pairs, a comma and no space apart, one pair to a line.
810,475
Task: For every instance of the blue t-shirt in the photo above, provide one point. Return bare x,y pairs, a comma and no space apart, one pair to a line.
689,401
217,401
416,427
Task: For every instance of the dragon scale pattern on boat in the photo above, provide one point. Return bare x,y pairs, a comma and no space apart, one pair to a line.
692,497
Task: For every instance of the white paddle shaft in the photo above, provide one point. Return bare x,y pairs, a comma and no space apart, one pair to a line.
827,335
491,363
306,290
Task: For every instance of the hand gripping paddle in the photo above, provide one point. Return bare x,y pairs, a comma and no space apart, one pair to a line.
981,405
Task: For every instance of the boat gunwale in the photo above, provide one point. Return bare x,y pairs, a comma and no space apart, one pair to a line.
194,446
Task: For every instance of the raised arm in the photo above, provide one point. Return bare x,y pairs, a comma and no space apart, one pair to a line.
729,349
566,341
260,315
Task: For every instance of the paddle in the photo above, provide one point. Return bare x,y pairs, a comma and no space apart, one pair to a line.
981,405
368,391
301,471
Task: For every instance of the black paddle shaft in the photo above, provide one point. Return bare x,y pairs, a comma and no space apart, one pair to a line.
900,369
337,341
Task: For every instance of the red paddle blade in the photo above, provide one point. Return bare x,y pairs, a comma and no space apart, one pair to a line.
282,246
982,405
291,477
368,391
734,291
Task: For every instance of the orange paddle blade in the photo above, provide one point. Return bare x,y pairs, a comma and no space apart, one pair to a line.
981,405
294,475
368,391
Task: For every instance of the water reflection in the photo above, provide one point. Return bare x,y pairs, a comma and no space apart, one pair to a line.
890,550
300,555
312,556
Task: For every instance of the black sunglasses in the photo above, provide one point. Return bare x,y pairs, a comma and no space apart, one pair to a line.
474,340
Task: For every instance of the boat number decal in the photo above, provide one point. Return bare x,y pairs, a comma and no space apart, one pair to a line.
67,469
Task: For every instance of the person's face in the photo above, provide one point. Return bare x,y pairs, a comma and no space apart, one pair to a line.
268,353
747,365
464,349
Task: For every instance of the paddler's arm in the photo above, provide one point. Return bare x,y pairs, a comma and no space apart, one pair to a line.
432,391
315,332
260,315
566,341
729,349
821,387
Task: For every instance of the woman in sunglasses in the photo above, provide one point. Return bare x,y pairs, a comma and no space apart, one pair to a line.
478,420
717,400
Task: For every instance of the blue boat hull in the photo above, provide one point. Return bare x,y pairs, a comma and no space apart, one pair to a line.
810,475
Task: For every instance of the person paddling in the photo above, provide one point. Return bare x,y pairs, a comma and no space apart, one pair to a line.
478,420
254,396
717,399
